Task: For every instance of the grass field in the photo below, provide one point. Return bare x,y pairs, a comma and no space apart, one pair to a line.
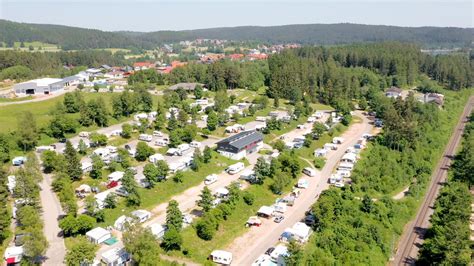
41,111
8,100
45,47
162,192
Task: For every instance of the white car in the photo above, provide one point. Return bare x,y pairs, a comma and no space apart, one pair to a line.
210,179
300,126
84,134
339,184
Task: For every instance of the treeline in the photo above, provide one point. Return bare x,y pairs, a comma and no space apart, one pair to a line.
73,38
67,38
338,75
22,65
353,228
221,75
447,241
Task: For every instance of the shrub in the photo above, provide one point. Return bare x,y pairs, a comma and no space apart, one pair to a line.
249,198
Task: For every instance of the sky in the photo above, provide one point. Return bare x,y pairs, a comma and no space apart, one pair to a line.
153,15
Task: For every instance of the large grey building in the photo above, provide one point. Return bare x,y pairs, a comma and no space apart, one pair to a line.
239,145
39,86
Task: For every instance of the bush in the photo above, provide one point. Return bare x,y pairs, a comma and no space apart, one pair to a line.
319,162
249,198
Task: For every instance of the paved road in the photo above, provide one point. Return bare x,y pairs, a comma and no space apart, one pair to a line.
248,247
51,212
412,238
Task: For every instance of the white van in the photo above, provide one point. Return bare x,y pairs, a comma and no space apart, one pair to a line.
211,179
235,168
145,137
309,171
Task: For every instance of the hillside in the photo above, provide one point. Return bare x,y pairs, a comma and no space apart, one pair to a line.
321,34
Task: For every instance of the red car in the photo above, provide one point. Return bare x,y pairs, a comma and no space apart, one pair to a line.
112,184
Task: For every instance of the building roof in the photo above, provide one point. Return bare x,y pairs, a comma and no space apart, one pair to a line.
186,86
43,81
242,139
394,90
114,255
97,233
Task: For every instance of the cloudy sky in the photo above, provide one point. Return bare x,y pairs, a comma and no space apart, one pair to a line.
152,15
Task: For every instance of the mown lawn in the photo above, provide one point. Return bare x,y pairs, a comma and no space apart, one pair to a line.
162,192
234,226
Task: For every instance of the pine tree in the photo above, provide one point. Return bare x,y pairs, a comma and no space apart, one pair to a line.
73,164
174,216
206,199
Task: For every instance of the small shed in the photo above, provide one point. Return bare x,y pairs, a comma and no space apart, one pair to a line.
98,235
265,211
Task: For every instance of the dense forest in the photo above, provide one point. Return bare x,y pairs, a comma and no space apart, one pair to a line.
447,241
69,38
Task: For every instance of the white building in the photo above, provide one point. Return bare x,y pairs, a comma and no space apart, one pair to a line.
116,256
39,86
98,235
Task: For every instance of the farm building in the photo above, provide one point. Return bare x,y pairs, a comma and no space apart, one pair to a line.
39,86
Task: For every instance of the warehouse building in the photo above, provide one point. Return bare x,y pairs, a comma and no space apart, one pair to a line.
39,86
240,145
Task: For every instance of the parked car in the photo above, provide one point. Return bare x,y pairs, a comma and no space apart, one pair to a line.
278,218
112,184
121,192
211,179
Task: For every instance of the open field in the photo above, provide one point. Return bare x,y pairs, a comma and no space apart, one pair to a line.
41,110
45,47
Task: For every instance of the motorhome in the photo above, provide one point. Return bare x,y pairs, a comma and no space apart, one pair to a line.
41,149
156,157
261,118
145,137
182,148
157,133
309,171
280,207
221,257
302,183
235,168
248,175
195,144
345,166
162,142
330,146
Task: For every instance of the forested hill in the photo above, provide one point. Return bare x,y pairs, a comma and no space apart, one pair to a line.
326,34
68,38
320,34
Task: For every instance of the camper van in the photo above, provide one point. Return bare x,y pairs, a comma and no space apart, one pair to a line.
260,118
182,148
248,175
345,166
235,168
309,171
145,137
161,142
221,257
210,179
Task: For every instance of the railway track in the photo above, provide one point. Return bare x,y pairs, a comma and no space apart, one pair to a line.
409,244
